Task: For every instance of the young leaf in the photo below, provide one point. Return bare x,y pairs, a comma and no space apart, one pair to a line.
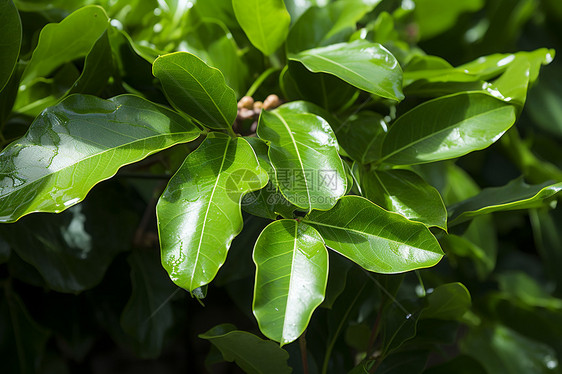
406,193
514,195
199,212
291,277
197,89
68,40
265,22
11,34
365,65
252,354
447,127
78,143
304,152
374,238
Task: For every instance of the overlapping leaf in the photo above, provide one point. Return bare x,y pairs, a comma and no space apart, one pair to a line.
199,213
304,153
74,145
374,238
291,278
514,195
406,193
252,354
365,65
197,89
447,127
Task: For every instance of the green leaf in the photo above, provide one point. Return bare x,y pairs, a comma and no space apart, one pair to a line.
68,40
214,44
291,277
367,66
267,202
304,153
252,354
199,213
78,143
406,193
520,286
197,89
148,314
325,90
513,196
448,301
502,350
375,239
361,136
72,251
546,225
322,26
265,22
447,127
11,34
22,341
434,17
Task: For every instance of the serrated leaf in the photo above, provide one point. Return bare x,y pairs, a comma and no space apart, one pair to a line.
196,89
199,213
365,65
252,354
68,40
11,34
406,193
291,277
265,22
78,143
513,196
447,127
374,238
304,153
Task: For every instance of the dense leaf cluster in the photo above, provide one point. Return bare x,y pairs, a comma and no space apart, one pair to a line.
353,150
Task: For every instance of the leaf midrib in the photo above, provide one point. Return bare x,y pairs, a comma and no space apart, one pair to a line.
456,124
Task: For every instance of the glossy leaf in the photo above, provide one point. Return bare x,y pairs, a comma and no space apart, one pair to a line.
265,22
148,315
68,40
291,277
406,193
514,195
11,34
361,136
448,301
446,128
375,239
197,89
250,353
78,143
199,213
322,26
304,153
367,66
22,340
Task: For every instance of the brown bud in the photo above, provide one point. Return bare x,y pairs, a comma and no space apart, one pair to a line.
244,114
271,102
246,102
258,105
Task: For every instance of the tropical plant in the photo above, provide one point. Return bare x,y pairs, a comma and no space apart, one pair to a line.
342,146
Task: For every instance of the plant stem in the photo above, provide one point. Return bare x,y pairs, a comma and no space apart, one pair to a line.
304,357
231,132
257,83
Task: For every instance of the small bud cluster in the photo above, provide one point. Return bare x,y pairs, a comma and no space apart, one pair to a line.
248,109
